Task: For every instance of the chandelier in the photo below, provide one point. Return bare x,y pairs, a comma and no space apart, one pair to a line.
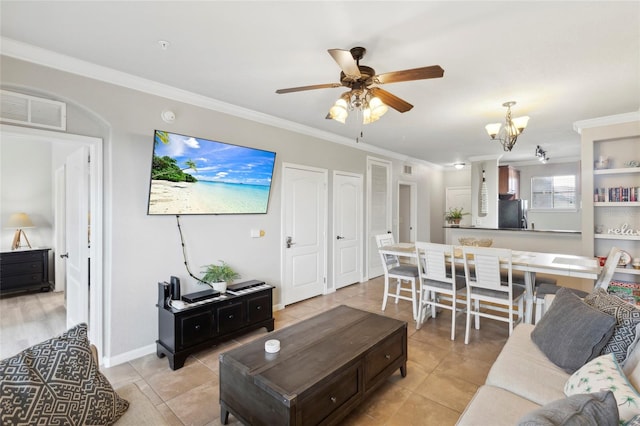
508,133
360,100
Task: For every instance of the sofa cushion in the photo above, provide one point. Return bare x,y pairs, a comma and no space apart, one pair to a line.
520,367
510,408
602,374
586,409
572,333
625,334
58,382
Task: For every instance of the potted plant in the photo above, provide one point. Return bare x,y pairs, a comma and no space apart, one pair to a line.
454,215
218,276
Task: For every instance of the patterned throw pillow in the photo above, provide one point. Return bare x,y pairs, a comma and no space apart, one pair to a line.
57,382
625,335
602,374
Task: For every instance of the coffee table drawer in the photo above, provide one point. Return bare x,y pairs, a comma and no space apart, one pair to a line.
339,393
380,358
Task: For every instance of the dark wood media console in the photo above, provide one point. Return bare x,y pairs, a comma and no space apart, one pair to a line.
326,366
245,307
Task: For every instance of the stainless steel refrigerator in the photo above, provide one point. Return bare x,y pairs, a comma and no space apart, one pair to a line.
512,214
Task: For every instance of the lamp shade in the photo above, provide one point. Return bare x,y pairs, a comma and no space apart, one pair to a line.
19,220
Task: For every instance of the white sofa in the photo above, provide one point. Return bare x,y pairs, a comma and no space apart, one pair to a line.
523,379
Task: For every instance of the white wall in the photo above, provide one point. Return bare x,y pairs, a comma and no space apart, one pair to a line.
26,186
140,250
565,220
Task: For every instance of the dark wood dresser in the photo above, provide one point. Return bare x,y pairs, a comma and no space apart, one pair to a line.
24,270
326,366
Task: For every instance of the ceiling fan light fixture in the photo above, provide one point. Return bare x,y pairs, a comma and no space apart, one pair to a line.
508,134
378,108
339,111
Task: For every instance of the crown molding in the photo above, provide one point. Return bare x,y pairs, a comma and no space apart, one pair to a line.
608,120
37,55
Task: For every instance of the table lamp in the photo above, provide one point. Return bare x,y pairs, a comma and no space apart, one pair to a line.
19,221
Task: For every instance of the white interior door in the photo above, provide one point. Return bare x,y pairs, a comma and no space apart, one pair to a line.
77,237
347,226
60,230
460,196
407,212
379,220
304,197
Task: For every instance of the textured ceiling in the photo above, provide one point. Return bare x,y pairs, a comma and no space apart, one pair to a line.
561,61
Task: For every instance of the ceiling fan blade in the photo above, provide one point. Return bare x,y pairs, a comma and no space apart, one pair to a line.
391,100
434,71
345,61
302,88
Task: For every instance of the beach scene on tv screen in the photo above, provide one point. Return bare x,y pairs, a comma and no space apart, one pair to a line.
199,176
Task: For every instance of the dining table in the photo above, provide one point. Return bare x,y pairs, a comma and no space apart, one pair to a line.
528,262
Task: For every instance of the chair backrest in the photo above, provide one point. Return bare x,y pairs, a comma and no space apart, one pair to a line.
606,274
388,260
432,261
487,263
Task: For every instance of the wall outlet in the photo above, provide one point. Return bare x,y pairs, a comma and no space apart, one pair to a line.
257,233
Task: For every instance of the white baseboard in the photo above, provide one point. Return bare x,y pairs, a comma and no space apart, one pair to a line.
128,356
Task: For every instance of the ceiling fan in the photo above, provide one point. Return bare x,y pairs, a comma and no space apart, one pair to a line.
362,82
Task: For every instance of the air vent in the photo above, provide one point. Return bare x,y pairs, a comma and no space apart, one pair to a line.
407,170
32,111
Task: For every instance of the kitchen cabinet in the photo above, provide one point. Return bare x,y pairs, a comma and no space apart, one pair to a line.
509,181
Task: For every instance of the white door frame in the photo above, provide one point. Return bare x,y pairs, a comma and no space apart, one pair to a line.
359,225
97,301
413,211
369,236
283,227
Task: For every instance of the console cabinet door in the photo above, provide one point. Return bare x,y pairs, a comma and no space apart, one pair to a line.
230,317
259,308
195,328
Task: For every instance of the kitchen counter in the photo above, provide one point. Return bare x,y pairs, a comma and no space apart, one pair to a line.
480,228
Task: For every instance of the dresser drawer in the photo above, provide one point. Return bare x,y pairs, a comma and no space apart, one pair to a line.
21,257
10,269
383,356
340,392
18,281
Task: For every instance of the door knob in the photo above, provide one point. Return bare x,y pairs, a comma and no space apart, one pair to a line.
339,238
289,242
65,255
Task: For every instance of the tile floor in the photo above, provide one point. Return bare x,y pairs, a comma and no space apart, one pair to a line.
442,375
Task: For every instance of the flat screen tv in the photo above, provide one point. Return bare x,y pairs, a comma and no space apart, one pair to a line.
199,176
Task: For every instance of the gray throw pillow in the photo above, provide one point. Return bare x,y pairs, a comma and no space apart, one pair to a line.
585,409
572,333
627,317
57,382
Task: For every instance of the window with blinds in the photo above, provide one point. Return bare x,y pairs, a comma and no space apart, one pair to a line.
553,192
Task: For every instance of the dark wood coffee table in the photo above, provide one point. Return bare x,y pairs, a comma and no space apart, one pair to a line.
327,365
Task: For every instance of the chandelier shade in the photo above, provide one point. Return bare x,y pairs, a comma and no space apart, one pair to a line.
507,133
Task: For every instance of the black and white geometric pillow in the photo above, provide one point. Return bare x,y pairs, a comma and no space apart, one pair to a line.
625,335
57,382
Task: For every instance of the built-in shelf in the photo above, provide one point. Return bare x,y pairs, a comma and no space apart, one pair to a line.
616,171
616,237
630,271
617,204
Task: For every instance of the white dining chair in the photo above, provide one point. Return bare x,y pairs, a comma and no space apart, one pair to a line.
482,267
394,270
438,282
603,281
